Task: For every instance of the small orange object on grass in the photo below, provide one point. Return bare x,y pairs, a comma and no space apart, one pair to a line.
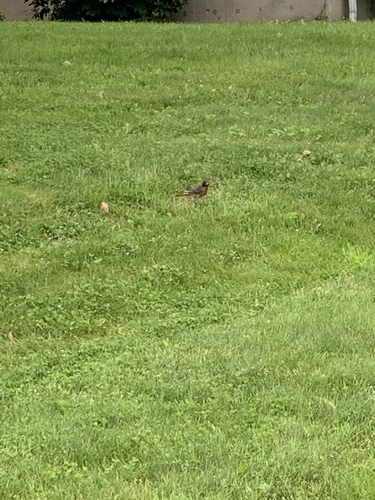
104,207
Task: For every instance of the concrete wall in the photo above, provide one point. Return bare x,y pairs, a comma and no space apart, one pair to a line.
236,10
366,9
269,10
15,10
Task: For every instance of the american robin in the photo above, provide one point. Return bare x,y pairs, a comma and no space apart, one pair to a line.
196,192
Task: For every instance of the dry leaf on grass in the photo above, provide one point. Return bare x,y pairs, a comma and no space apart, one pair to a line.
104,207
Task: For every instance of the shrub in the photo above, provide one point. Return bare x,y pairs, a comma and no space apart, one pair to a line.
104,10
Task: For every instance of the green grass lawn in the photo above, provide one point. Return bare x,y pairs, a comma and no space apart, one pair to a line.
223,349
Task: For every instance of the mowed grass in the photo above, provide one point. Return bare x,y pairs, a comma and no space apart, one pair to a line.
223,349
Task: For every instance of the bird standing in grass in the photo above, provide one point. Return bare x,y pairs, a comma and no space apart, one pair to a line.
197,192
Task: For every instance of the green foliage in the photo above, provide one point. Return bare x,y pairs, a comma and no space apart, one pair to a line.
104,10
223,349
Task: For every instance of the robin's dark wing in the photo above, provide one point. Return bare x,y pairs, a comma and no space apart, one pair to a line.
192,192
196,190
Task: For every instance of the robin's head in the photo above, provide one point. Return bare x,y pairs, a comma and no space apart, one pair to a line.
205,184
